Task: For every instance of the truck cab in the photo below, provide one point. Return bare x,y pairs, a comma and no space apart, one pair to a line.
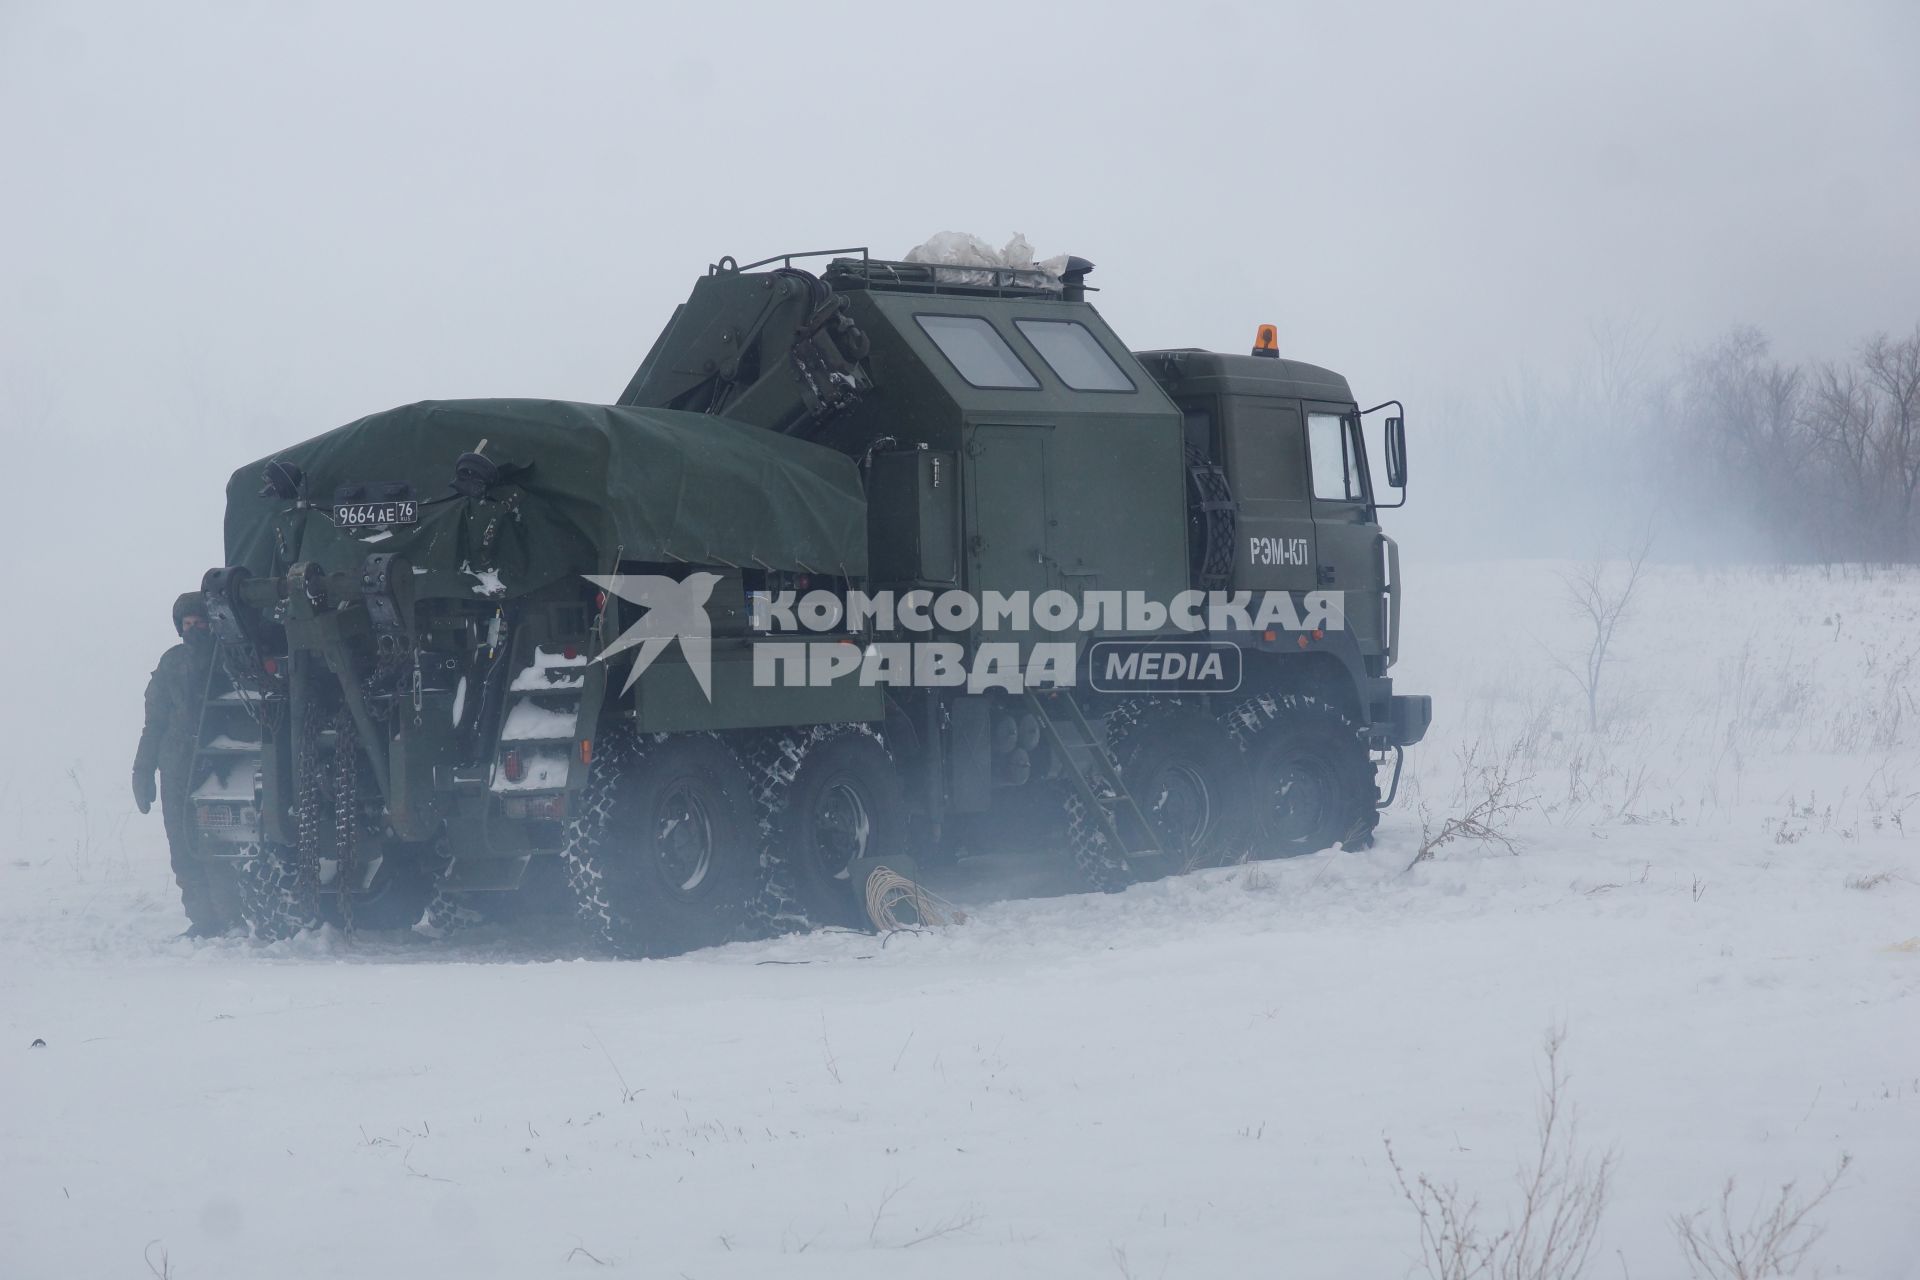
1286,439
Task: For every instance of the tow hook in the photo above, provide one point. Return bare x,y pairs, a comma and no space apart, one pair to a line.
1393,788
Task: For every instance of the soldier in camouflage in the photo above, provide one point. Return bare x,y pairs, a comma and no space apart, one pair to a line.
167,743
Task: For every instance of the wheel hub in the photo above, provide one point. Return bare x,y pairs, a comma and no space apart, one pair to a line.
683,838
1181,805
1304,798
841,829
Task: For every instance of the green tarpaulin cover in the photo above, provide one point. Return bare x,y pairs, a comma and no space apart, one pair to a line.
580,480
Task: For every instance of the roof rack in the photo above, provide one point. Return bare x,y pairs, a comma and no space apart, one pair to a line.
941,277
727,263
869,272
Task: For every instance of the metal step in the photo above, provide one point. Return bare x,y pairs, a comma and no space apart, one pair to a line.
1091,768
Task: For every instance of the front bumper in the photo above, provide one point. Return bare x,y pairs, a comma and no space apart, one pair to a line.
1408,717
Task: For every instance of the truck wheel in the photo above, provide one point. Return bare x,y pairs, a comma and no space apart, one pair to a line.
663,856
276,900
1313,783
1189,778
1103,868
448,911
224,890
829,795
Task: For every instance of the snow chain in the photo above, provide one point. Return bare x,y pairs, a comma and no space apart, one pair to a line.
306,805
346,814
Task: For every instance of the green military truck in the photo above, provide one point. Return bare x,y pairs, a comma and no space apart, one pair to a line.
864,565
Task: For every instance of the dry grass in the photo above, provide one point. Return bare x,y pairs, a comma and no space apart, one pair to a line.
1550,1234
1491,794
1773,1240
1601,601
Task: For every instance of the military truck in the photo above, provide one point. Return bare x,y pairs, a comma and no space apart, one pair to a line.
865,564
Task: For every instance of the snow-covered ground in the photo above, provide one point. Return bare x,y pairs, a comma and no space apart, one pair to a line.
1716,895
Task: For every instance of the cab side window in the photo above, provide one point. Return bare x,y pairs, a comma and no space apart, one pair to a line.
1265,439
1336,469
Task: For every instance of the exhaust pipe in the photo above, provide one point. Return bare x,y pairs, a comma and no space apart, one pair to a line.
1073,280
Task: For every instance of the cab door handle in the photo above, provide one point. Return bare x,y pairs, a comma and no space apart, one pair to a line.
1325,575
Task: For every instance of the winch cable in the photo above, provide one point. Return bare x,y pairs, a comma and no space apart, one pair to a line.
888,891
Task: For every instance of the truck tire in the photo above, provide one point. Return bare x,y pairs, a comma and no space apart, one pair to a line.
276,900
828,795
1312,775
1101,867
1189,778
663,855
224,891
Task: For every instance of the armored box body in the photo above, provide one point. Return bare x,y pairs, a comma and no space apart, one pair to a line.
1015,445
1011,443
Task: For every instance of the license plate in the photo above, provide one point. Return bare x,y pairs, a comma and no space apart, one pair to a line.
373,515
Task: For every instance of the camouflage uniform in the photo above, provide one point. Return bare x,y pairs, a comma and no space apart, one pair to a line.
167,743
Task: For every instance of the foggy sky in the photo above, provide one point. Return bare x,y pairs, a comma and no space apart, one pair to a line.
229,227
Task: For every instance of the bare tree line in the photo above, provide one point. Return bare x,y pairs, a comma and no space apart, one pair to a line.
1830,451
1726,448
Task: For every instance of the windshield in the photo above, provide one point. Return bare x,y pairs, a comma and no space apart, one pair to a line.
1339,458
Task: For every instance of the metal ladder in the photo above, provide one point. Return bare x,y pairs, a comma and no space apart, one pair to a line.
1091,768
226,762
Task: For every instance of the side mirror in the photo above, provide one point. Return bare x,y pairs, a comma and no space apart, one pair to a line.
1397,452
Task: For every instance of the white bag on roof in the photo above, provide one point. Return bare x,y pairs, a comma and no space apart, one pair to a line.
958,249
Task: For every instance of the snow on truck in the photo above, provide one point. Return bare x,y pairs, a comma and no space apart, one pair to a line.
865,565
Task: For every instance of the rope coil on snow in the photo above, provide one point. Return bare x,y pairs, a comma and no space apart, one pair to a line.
888,891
